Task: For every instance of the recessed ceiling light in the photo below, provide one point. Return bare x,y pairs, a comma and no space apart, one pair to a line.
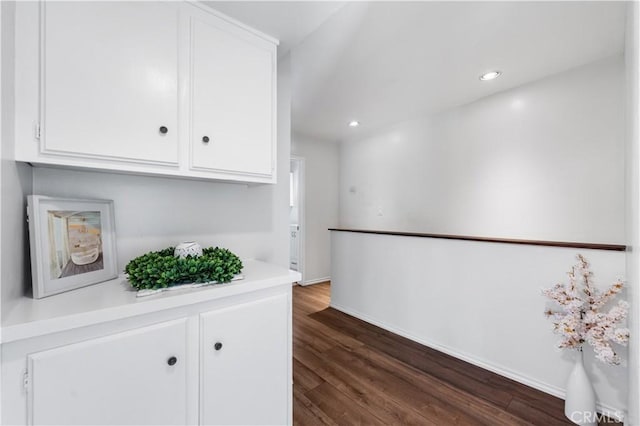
354,123
490,75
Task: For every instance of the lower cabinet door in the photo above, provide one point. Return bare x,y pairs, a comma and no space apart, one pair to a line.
136,377
245,366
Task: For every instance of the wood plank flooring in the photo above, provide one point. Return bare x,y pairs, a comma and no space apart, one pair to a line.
349,372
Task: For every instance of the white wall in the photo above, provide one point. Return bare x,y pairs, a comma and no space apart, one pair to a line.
321,203
16,182
152,213
541,161
478,301
632,194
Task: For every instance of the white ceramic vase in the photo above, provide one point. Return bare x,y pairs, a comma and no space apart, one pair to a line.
188,248
580,403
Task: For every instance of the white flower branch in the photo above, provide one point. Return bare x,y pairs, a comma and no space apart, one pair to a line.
580,319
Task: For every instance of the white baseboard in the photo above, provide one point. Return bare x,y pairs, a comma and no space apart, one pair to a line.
316,281
611,412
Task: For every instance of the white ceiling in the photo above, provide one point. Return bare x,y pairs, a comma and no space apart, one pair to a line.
288,21
384,62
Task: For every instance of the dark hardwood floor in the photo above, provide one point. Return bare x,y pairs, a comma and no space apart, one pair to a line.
349,372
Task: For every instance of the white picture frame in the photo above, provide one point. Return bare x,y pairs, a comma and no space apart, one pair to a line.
73,243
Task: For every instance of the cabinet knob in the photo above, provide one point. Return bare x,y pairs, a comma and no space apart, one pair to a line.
217,346
163,130
205,139
172,360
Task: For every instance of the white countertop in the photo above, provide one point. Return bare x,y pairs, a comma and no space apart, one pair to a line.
115,299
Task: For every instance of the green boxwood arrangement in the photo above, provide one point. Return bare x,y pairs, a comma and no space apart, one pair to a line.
160,269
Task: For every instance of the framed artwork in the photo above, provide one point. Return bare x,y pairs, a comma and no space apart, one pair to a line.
73,243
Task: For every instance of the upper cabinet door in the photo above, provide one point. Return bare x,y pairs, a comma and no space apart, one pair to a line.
233,93
110,80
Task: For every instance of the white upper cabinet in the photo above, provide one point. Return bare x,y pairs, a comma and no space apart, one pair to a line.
232,88
110,80
165,88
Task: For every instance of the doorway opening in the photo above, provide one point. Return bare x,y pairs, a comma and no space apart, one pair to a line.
296,215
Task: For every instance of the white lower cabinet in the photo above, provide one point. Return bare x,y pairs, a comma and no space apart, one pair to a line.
244,364
226,361
135,377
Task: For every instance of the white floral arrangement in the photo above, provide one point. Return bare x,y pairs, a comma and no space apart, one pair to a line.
581,317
